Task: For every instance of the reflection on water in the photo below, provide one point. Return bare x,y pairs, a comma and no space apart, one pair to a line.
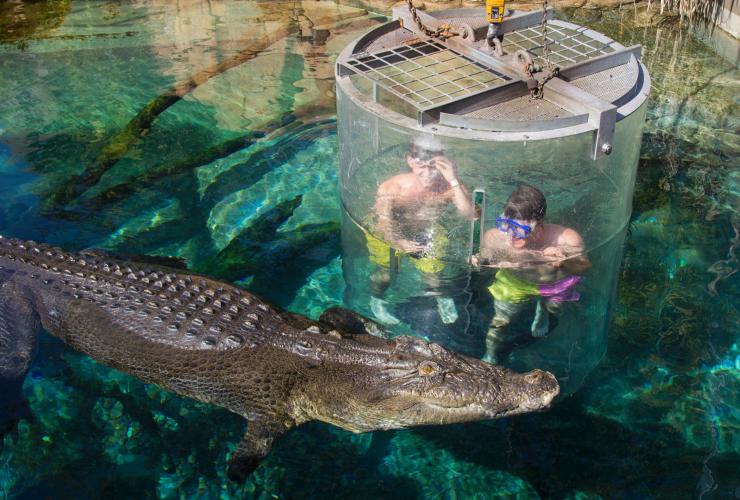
238,176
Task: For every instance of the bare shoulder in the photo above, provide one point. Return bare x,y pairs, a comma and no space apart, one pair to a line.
493,238
563,236
396,183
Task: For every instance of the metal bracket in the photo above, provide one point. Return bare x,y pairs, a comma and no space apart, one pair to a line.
479,225
602,115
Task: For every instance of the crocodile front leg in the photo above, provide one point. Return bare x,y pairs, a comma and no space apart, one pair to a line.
261,434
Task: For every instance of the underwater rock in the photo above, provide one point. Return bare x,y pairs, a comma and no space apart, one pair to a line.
242,256
323,288
208,155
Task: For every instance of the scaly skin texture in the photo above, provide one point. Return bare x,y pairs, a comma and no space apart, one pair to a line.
218,344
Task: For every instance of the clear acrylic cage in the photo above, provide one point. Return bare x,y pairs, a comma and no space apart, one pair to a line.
408,102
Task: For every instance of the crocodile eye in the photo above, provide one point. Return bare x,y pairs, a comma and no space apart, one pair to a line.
428,368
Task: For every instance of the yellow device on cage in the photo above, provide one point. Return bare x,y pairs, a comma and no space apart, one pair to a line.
495,11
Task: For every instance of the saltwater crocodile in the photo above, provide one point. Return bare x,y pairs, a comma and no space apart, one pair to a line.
213,342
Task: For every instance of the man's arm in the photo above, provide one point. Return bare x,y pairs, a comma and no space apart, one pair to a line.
384,209
459,193
569,253
486,247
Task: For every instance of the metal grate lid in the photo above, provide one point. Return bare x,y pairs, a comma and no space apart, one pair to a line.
460,82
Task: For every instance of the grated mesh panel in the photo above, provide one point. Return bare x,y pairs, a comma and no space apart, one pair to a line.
520,109
567,45
610,84
426,74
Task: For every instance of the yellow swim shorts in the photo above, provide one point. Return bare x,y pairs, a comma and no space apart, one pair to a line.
509,288
380,253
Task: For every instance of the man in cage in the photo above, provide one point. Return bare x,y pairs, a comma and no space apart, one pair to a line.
539,266
406,219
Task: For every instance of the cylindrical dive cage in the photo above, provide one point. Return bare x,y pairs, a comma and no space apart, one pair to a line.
402,94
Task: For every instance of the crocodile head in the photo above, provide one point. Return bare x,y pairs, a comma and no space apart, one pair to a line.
413,382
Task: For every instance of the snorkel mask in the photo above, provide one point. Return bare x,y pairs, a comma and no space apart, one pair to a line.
510,226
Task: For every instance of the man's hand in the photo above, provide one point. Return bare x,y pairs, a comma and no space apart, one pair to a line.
555,255
445,167
457,191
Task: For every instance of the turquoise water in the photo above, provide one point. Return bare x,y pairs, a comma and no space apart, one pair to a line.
238,177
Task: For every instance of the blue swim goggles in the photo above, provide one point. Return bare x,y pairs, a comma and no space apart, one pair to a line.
511,226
